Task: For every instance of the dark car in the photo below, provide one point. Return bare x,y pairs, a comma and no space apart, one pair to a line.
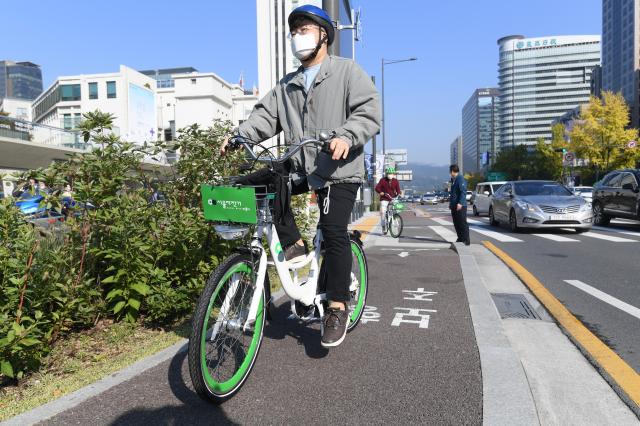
617,195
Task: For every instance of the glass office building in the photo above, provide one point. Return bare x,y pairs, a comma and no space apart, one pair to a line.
479,129
20,80
540,79
620,54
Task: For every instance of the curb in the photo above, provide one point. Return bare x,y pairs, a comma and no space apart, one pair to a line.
620,376
74,399
506,395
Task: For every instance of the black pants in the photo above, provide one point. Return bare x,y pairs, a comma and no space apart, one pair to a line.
460,222
335,273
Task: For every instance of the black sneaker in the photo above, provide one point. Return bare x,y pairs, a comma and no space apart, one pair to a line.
296,252
468,242
334,327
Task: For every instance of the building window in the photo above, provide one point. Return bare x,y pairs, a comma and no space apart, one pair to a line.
93,90
111,89
66,122
70,92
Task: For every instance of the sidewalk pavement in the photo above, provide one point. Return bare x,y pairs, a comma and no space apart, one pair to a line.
532,373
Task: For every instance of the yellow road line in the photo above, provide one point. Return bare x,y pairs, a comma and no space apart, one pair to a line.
619,371
366,225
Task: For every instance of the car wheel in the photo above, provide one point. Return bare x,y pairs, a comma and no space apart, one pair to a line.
475,211
492,218
599,217
513,221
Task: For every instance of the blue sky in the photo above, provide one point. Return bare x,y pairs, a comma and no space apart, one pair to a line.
455,42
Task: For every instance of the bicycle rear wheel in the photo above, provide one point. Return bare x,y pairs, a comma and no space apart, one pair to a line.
221,352
359,284
395,225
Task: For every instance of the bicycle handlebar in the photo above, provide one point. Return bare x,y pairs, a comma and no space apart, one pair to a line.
239,141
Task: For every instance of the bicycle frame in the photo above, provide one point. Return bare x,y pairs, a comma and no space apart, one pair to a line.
293,288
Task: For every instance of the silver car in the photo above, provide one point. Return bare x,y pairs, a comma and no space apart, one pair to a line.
539,204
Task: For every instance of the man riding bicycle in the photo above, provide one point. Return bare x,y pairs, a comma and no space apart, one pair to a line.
388,188
326,94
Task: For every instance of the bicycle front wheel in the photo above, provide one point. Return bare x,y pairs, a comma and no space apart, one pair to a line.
395,225
359,284
222,346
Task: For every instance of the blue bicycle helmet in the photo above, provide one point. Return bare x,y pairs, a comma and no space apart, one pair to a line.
318,16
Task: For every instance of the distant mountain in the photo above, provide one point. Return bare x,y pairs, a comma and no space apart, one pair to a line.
426,177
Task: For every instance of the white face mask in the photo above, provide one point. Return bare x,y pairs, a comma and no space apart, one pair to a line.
303,45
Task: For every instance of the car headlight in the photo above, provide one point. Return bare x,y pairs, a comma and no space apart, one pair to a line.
526,206
586,206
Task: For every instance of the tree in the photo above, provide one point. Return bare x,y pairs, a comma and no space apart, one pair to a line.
602,133
515,162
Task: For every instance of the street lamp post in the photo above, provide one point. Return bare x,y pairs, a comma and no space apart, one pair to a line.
384,123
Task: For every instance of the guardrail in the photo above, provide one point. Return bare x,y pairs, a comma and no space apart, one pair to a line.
42,134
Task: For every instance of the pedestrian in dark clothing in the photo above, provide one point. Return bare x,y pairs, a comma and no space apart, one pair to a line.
458,204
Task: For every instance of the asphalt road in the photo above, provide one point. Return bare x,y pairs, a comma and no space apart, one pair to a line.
425,369
606,259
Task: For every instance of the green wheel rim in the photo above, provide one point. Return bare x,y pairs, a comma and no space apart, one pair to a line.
228,385
355,249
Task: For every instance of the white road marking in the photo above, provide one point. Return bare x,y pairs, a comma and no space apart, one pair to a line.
617,231
403,254
623,306
608,237
496,235
420,294
422,321
445,233
370,314
477,222
558,238
442,221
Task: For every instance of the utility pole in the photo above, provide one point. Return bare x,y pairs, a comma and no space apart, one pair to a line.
332,7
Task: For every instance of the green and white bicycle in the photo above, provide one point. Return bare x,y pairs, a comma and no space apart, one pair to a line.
392,220
229,319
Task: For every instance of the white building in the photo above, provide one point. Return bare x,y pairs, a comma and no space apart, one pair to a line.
540,79
16,108
186,96
127,94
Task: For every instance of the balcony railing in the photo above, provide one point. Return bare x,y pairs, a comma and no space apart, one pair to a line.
42,134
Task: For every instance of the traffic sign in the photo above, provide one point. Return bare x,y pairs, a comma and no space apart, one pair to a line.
569,157
632,144
496,176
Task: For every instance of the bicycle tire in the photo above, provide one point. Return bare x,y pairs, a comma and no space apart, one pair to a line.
396,231
359,294
219,292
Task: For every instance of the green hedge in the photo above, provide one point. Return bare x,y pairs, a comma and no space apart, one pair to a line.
126,259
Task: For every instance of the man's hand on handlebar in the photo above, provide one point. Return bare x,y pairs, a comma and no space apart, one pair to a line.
339,149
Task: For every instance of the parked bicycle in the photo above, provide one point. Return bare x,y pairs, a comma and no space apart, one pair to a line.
229,319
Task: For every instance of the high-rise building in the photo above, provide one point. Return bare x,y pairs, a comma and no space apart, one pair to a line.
20,80
540,79
479,129
455,155
621,51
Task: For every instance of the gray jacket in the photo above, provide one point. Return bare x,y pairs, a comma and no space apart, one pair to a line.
342,100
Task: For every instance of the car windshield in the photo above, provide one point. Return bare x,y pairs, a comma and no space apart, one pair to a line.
496,186
541,188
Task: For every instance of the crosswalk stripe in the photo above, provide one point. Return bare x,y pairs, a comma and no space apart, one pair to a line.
608,237
495,235
445,233
477,222
617,231
442,221
558,238
631,310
